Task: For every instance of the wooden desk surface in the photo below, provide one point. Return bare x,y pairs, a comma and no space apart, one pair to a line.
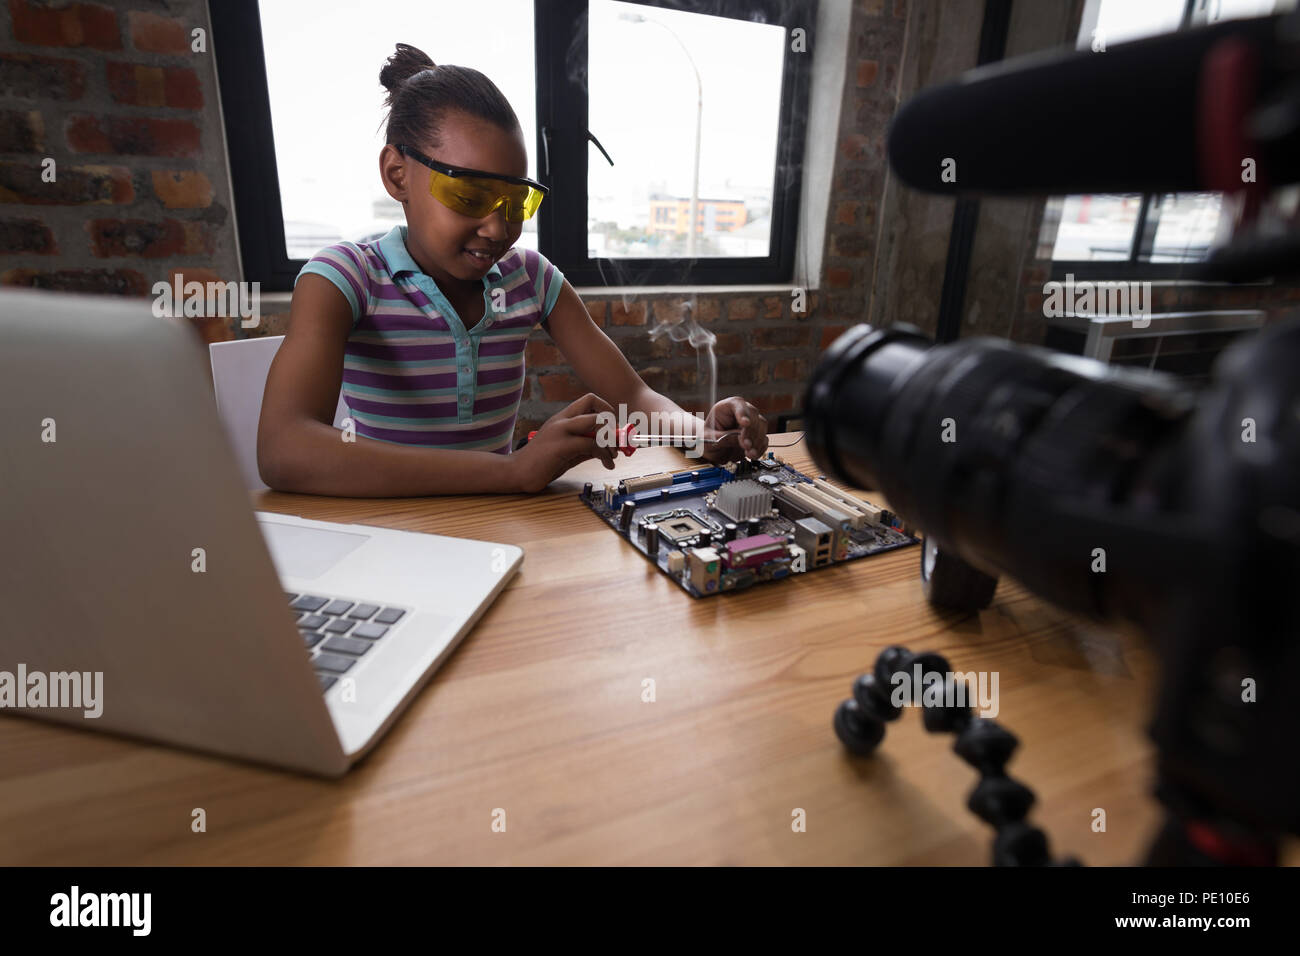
540,713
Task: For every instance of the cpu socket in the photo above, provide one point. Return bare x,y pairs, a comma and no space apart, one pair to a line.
680,528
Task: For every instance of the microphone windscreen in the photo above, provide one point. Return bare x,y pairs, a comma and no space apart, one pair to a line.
1119,121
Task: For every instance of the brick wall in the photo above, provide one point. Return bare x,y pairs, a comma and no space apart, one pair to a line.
112,174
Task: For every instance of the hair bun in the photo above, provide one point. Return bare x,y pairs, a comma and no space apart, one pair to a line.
403,65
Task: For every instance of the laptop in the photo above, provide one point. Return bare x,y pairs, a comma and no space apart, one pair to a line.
134,560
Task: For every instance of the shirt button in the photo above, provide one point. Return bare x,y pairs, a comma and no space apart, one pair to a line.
464,399
464,368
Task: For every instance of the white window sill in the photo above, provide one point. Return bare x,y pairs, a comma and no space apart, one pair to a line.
280,301
613,291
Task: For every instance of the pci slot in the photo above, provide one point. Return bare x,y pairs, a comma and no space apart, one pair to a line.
869,512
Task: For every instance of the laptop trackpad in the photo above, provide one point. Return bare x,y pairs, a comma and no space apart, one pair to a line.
300,552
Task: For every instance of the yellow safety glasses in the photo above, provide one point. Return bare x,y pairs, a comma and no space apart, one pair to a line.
474,193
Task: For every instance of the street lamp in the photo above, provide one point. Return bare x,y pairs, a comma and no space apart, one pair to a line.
699,112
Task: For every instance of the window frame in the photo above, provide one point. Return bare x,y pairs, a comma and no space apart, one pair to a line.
259,213
250,145
1144,229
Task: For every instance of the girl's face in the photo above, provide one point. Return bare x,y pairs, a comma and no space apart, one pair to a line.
439,238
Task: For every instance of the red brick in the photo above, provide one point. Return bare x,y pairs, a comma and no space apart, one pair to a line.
668,309
633,314
789,370
134,135
213,328
596,309
849,244
772,306
181,88
781,337
855,147
684,378
829,334
846,213
741,372
74,185
44,77
640,348
69,24
707,309
867,70
560,387
157,34
743,307
771,404
539,353
192,274
803,303
182,188
150,239
106,281
27,236
839,278
655,376
22,131
138,85
728,343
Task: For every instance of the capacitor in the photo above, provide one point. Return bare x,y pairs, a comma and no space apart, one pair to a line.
730,528
625,515
586,491
752,524
651,539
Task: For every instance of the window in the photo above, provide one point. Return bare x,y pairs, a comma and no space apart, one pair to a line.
672,138
304,119
1148,234
327,112
725,72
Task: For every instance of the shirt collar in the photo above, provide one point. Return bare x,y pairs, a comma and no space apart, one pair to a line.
393,247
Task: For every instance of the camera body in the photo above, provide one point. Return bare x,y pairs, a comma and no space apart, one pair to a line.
1118,495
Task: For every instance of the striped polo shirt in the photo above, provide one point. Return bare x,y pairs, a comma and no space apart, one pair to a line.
412,373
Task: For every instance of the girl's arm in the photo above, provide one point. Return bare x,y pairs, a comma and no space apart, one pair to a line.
604,369
299,449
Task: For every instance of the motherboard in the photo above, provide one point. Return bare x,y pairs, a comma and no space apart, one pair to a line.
729,527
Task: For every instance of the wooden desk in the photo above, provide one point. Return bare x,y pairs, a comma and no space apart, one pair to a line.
540,713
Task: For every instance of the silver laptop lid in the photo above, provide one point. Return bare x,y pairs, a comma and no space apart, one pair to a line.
132,551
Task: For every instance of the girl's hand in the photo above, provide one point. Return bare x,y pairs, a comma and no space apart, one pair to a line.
566,439
728,415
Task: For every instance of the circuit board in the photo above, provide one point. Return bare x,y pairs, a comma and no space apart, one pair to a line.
728,527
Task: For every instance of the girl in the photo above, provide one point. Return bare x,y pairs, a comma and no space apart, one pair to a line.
425,328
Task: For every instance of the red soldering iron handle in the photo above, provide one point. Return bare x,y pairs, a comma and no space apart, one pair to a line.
623,435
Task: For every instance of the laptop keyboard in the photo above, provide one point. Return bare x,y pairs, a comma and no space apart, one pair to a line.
337,632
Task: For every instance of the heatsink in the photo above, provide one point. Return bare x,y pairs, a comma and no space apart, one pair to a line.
742,500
